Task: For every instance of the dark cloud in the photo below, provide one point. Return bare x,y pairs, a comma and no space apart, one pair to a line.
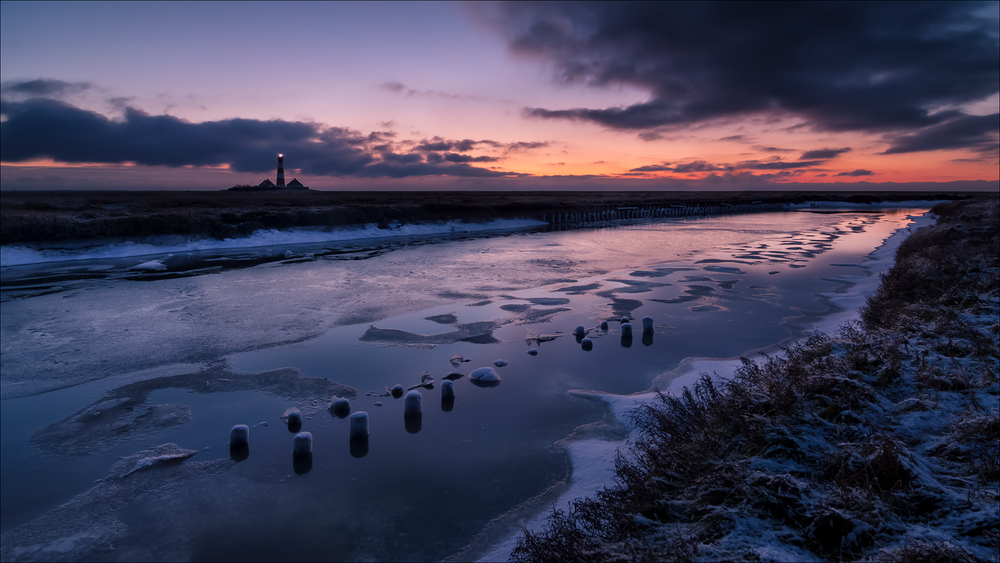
455,157
381,136
774,163
465,145
697,166
978,132
858,172
777,164
525,146
823,153
44,88
47,128
771,149
839,66
665,167
436,157
407,158
434,146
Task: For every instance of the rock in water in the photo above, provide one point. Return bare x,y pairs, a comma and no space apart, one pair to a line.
500,363
411,403
587,344
340,407
302,444
579,331
533,351
359,425
647,324
239,435
485,375
397,391
604,325
624,320
626,330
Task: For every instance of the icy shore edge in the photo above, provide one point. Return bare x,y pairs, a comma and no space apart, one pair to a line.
23,254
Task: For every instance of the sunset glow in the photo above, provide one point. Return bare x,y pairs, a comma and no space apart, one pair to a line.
499,96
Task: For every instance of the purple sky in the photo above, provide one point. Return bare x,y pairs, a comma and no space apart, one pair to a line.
499,96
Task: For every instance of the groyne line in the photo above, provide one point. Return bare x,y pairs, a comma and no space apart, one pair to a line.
605,213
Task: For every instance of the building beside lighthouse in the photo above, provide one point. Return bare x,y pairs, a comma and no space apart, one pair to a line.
267,184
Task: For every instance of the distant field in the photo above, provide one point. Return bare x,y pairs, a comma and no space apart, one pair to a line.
61,216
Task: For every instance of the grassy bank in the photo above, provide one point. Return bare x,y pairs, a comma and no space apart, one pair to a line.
881,442
63,216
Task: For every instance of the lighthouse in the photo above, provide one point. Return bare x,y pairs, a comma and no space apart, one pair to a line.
295,184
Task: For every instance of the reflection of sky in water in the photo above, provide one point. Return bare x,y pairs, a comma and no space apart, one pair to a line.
708,284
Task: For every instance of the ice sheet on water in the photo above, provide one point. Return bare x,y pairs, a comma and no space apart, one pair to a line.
579,289
634,286
156,456
548,301
107,422
83,528
724,270
477,332
124,413
150,265
445,319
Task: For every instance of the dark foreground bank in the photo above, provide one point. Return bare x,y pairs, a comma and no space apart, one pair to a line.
63,216
881,443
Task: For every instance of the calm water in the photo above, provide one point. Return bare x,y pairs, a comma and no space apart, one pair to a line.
369,316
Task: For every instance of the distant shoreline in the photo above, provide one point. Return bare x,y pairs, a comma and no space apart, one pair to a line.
59,216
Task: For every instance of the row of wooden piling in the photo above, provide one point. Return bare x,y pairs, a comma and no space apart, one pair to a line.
602,213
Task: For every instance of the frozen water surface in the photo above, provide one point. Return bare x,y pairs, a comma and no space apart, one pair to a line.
117,355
